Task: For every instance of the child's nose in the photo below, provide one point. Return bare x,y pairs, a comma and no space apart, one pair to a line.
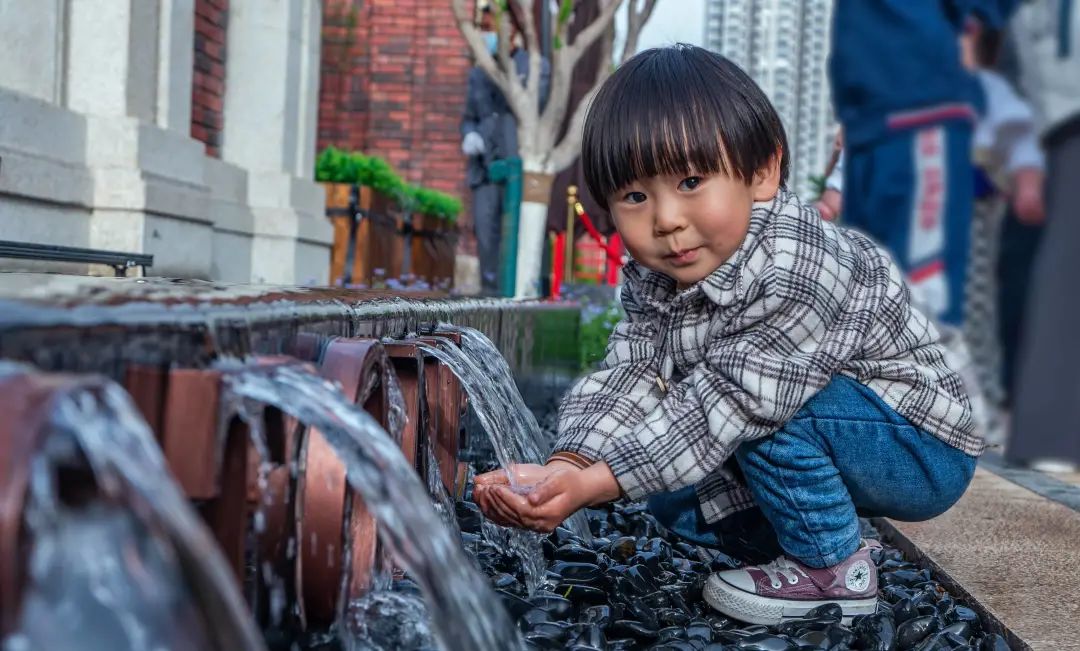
667,222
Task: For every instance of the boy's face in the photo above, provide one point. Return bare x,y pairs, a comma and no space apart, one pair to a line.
687,226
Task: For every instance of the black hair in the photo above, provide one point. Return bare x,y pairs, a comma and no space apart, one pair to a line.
678,110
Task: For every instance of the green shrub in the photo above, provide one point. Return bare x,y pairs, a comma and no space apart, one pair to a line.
336,166
596,328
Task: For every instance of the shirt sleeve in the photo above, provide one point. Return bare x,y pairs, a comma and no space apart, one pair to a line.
757,373
615,398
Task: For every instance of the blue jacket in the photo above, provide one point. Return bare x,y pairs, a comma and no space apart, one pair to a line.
895,64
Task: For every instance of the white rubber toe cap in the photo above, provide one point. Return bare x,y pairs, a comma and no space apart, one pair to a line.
737,578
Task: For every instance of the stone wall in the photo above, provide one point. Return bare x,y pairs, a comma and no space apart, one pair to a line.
100,101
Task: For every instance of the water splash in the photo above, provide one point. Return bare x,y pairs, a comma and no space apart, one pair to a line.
111,575
387,621
465,612
510,424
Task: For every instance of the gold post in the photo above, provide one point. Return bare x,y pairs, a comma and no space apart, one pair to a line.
571,216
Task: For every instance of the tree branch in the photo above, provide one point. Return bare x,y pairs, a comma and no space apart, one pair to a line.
569,148
587,36
532,45
562,71
636,19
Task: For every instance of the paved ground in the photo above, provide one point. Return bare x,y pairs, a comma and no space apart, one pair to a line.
1071,477
1015,551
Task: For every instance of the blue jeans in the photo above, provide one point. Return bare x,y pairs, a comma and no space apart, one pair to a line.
913,191
845,454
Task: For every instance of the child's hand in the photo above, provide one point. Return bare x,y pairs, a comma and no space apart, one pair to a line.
1027,198
559,496
524,474
830,204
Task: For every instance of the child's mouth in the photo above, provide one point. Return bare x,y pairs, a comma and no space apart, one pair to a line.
684,257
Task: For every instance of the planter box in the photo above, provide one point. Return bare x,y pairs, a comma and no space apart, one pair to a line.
433,250
378,243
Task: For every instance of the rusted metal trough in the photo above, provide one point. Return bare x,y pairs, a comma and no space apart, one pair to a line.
161,340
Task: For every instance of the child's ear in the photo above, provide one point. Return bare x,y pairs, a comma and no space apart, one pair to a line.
767,179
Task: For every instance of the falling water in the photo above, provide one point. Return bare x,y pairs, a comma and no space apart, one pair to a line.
135,570
443,501
465,612
510,424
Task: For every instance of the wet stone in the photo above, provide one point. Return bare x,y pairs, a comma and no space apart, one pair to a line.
640,611
575,554
469,517
995,643
564,536
670,633
592,637
599,615
673,617
576,573
675,645
766,642
700,631
542,641
551,629
507,582
915,630
876,632
906,578
582,593
826,611
965,614
535,616
621,549
515,604
557,607
631,588
632,628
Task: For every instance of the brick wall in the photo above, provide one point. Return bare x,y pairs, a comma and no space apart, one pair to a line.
208,83
393,84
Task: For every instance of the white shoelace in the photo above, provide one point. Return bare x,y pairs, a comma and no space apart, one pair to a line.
785,568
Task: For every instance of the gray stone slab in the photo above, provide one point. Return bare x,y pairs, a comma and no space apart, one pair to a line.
1014,552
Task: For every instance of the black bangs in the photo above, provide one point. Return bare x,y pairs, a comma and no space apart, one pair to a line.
678,110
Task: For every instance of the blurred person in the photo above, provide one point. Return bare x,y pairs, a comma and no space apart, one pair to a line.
1046,411
1008,165
907,106
489,133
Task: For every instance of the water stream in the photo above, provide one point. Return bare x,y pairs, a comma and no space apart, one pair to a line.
130,566
510,424
466,613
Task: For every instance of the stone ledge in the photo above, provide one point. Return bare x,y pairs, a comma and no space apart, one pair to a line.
1012,553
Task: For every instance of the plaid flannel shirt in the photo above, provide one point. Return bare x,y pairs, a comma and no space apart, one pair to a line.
689,375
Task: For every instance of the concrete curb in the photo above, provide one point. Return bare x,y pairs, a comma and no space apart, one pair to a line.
896,538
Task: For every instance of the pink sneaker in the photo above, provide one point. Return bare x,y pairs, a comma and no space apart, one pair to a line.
767,594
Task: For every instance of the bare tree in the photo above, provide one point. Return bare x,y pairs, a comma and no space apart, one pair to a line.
543,153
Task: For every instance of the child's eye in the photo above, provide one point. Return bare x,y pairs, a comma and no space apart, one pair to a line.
634,197
690,183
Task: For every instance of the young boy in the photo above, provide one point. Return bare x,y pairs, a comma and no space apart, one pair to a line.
768,359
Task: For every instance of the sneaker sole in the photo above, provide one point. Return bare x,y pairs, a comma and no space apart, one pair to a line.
754,609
